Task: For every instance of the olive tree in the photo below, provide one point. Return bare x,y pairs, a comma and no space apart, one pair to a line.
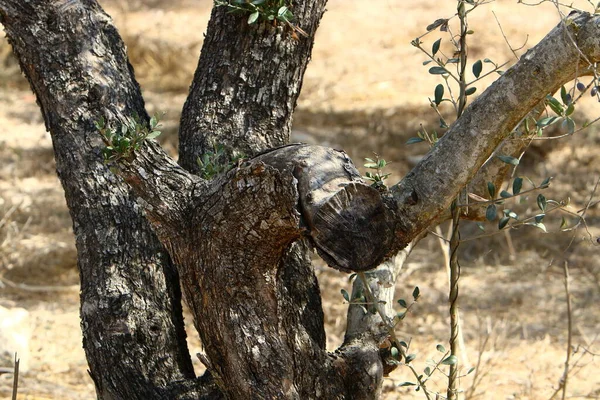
239,243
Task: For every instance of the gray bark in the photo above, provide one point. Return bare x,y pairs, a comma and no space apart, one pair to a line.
134,336
431,186
240,241
246,85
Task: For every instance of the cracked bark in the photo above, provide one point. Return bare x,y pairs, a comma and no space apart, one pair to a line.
240,241
133,337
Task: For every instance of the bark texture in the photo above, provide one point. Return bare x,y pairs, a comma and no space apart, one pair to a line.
240,241
247,82
568,50
252,300
130,299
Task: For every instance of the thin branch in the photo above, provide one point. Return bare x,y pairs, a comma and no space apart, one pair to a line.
453,299
390,329
37,289
565,378
514,51
15,378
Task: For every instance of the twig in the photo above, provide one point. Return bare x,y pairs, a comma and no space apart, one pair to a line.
479,374
391,332
15,378
514,51
29,288
9,213
453,298
562,384
565,377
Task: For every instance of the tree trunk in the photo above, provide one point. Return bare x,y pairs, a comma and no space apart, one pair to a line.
131,315
240,241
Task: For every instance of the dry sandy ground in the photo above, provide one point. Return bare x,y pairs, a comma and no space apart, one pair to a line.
365,90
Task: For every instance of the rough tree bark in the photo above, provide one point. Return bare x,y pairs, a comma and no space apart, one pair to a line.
240,241
134,336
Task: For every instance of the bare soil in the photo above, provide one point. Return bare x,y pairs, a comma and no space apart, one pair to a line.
365,90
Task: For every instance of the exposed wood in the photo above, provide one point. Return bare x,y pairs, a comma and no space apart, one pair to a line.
240,241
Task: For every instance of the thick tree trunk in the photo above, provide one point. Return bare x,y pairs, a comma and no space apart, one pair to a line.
131,315
247,82
253,303
240,241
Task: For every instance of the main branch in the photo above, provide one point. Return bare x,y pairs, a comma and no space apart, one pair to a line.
430,187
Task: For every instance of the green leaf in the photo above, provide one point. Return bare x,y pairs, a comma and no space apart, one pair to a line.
547,121
427,371
555,105
403,344
394,351
504,194
517,185
253,17
491,212
538,225
546,182
427,62
406,384
563,223
153,135
509,160
470,91
413,140
409,358
153,121
282,10
480,226
538,218
435,47
569,124
477,67
470,370
371,165
440,348
570,109
542,202
402,303
416,293
438,94
258,2
491,189
450,360
345,294
99,124
436,23
564,95
437,71
502,223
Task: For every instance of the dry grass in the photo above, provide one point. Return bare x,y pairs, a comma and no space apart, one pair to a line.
364,91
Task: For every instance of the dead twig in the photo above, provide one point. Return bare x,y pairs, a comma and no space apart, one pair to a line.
15,378
30,288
